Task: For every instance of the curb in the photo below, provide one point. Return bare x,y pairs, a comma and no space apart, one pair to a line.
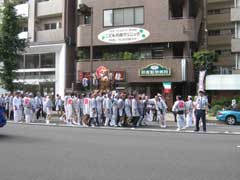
130,129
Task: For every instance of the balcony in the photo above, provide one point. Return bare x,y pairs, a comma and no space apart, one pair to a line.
219,18
175,30
50,35
235,45
235,14
22,10
220,40
50,8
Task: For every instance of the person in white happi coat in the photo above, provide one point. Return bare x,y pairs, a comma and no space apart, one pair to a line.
114,118
70,110
135,111
17,107
107,105
121,111
189,112
58,104
179,108
163,123
27,108
11,108
141,111
99,100
93,111
39,106
86,110
128,109
49,107
80,108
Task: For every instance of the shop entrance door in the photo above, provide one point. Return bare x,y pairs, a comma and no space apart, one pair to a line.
155,89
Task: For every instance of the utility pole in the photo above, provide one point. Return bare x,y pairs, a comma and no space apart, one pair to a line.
205,25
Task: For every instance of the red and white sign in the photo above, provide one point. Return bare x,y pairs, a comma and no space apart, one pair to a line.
101,71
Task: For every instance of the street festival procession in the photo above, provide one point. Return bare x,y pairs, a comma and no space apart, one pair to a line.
111,89
119,89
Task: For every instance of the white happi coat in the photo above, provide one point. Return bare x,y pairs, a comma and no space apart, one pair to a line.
135,112
99,100
128,108
86,106
121,107
93,108
107,105
17,107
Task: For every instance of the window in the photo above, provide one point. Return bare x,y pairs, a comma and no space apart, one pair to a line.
48,60
214,32
123,17
32,61
139,18
50,26
108,18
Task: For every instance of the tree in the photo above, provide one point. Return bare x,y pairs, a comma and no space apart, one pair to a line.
11,47
204,60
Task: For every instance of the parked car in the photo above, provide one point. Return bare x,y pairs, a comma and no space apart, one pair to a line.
231,117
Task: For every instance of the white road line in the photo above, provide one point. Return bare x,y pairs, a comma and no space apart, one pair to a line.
238,146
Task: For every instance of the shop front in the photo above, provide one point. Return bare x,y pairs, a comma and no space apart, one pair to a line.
165,76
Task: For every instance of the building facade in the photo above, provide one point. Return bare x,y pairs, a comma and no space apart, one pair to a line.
148,43
223,22
48,62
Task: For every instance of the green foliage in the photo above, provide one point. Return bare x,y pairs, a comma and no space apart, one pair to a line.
11,46
120,56
203,60
213,111
81,54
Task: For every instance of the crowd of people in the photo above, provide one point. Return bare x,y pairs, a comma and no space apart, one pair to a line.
104,109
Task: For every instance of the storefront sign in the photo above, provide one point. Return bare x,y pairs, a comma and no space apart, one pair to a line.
155,70
82,75
119,75
101,71
123,35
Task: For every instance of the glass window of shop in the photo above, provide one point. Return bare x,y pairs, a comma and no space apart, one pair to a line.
48,60
32,61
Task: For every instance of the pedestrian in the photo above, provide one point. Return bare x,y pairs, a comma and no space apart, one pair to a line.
17,107
128,110
49,107
39,106
99,100
58,104
201,107
179,109
121,112
189,112
27,108
114,117
163,122
107,105
135,110
93,112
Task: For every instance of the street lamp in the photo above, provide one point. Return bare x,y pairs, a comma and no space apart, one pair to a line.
85,10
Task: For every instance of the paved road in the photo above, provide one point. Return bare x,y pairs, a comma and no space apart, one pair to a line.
58,153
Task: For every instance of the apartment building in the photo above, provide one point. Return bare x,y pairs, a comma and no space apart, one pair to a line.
143,44
223,27
48,62
220,33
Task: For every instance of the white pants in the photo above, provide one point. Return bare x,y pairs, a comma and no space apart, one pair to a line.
189,120
17,115
180,121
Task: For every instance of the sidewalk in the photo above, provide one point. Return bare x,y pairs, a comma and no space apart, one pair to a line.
153,124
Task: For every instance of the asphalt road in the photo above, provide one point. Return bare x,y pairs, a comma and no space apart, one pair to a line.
60,153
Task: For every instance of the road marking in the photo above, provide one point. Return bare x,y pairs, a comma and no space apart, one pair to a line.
238,146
